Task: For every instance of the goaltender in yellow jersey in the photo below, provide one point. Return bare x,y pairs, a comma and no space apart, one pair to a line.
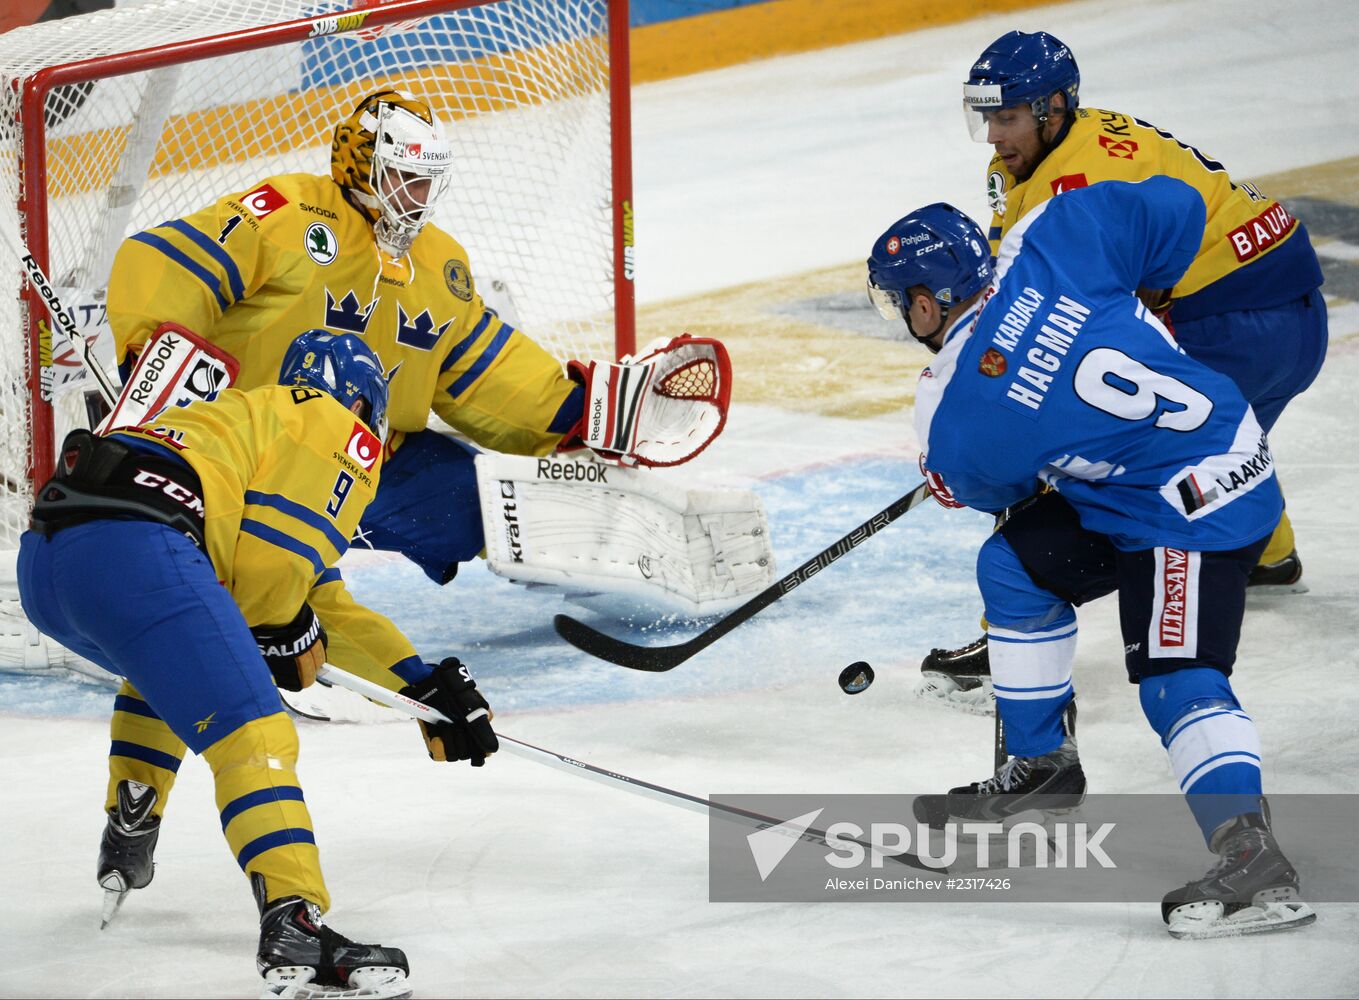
291,254
354,252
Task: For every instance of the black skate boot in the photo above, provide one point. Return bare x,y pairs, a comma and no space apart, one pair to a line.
299,956
1052,783
1252,888
1284,576
129,842
960,678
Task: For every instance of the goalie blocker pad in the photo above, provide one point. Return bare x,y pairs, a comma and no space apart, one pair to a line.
175,368
591,528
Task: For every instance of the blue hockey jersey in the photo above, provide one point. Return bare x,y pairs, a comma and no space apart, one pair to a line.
1064,377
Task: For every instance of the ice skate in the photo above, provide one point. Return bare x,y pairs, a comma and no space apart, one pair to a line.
1253,889
1282,577
126,850
1051,784
959,678
300,957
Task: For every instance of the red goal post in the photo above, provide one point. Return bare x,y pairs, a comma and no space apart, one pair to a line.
119,120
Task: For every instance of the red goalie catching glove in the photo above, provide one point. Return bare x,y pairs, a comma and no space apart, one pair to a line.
661,408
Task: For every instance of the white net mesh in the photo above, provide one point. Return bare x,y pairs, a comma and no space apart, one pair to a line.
522,85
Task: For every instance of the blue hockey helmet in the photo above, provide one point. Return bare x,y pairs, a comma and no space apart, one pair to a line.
340,365
1019,69
936,247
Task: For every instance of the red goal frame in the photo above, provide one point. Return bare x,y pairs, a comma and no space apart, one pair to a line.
33,209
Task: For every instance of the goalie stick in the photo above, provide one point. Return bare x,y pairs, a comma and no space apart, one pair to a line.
661,658
63,320
422,712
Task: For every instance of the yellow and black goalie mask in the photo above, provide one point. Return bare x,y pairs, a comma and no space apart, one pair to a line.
391,157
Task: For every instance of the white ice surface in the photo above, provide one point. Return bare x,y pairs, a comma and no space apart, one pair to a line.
515,880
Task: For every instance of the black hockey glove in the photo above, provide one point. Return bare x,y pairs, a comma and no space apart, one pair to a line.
294,652
451,690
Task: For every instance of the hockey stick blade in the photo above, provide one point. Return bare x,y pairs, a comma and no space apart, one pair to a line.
657,659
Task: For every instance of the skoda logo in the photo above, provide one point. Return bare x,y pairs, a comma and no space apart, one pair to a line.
321,244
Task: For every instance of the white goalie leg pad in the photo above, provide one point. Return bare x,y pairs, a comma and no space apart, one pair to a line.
592,528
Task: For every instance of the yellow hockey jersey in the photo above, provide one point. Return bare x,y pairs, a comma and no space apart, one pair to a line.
287,472
257,268
1254,253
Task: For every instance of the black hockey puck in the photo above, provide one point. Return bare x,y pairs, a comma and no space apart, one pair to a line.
856,677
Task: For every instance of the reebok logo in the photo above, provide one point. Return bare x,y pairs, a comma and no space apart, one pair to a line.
154,369
596,416
583,472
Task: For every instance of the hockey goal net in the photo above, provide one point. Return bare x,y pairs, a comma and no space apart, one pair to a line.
122,119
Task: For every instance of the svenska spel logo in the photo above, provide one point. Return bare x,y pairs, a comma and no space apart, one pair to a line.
263,200
363,447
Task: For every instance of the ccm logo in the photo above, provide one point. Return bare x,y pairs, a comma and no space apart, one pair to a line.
263,200
363,447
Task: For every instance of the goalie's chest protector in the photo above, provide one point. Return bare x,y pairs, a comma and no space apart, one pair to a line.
317,266
287,472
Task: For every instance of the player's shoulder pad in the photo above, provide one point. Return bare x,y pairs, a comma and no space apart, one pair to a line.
436,251
321,417
1094,123
280,198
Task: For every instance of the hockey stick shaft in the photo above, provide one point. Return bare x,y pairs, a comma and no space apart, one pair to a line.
659,793
661,658
63,320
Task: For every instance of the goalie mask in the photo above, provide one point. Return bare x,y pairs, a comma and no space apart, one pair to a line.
342,366
392,160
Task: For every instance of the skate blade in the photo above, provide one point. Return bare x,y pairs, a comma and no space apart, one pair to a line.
1280,911
944,690
115,894
294,982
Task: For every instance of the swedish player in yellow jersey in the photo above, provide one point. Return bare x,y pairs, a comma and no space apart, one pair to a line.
1249,306
227,517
